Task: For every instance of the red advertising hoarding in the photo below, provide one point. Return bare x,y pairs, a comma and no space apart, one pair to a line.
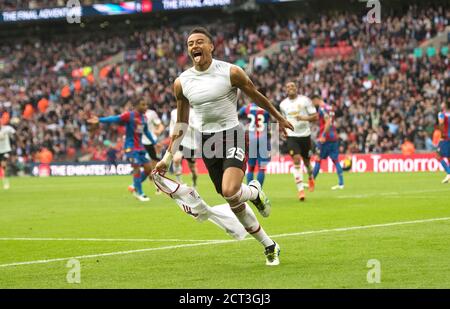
361,163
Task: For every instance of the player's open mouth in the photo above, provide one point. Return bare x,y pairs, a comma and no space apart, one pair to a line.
197,55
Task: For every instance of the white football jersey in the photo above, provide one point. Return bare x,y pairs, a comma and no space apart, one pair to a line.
212,96
189,140
6,132
153,121
300,106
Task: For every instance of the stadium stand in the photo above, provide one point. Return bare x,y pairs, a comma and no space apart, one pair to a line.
383,86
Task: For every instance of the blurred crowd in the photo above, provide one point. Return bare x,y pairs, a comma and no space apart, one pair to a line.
385,93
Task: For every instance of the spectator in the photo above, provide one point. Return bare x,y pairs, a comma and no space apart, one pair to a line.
408,148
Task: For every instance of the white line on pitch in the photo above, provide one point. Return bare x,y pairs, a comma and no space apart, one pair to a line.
104,239
362,227
389,194
116,253
342,229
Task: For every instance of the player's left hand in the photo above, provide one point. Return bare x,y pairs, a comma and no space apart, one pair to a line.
321,139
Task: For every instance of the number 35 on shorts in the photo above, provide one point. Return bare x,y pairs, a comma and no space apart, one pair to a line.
237,153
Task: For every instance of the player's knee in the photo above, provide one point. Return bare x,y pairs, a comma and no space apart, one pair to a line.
296,160
229,191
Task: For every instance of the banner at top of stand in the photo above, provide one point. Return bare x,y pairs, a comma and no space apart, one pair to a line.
75,10
163,5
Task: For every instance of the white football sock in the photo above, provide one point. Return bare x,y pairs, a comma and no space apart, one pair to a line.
245,193
247,217
249,193
298,176
178,170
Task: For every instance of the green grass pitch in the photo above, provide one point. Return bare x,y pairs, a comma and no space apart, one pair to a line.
320,247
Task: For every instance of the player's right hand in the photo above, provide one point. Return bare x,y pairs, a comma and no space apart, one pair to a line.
93,120
284,125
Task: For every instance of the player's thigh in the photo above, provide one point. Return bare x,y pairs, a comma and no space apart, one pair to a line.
444,149
293,146
138,159
235,145
324,150
305,147
334,151
235,162
232,180
215,172
213,156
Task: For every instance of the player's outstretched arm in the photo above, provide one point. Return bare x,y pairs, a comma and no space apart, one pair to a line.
180,128
240,80
109,119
